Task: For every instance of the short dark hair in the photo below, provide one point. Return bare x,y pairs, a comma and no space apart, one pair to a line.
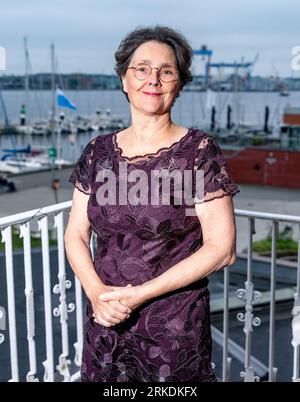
179,44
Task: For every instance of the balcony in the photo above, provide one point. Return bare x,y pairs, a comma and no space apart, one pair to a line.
41,304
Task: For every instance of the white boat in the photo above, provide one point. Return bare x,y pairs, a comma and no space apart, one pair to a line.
21,165
105,121
284,92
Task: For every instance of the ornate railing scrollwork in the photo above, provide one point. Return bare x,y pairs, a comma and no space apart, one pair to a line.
249,295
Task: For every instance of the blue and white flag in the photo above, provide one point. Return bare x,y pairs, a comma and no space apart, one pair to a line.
63,101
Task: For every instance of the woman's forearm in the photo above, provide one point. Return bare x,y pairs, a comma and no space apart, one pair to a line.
207,259
80,259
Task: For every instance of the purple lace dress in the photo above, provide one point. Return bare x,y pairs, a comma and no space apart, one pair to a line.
167,338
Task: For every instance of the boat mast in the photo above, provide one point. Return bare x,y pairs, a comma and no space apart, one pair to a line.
6,119
236,97
26,73
53,96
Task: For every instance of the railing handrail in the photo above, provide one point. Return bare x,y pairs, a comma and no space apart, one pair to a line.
267,215
39,212
34,213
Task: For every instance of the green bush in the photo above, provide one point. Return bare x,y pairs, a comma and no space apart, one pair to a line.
284,243
18,242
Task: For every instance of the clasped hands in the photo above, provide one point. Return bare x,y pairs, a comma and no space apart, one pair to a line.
115,304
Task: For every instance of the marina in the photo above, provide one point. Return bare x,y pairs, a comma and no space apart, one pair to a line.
259,132
260,149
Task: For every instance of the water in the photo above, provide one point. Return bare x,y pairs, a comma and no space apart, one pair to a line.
189,110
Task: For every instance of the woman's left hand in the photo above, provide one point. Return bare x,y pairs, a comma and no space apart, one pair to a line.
130,296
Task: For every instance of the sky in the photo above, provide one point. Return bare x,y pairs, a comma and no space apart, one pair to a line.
87,33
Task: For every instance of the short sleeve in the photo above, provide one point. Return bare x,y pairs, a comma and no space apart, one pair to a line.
81,176
216,181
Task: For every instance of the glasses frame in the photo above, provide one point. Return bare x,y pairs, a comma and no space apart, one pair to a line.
153,68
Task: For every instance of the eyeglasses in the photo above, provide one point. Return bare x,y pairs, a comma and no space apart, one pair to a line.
165,73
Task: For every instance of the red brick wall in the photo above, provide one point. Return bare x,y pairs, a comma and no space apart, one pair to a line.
265,167
293,119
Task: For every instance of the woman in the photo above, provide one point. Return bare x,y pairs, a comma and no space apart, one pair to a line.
148,301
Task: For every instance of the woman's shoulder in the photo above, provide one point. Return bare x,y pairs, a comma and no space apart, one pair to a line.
101,139
105,136
199,132
97,145
204,143
198,136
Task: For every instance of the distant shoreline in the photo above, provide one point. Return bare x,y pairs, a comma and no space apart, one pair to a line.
119,89
82,81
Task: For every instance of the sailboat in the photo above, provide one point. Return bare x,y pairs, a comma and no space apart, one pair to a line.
15,160
24,160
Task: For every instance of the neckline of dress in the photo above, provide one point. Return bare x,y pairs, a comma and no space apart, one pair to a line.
151,154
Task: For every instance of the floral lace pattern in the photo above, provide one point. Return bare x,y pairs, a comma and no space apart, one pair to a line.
81,175
217,180
167,338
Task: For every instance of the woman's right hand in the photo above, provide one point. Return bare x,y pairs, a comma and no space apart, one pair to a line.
108,313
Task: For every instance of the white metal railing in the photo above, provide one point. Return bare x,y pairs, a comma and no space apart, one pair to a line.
250,295
65,365
24,220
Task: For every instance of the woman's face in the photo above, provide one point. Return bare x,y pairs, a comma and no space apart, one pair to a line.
151,95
